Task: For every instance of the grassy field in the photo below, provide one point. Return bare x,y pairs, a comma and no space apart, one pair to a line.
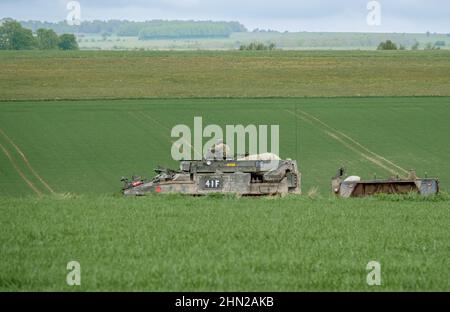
81,75
225,244
86,146
61,161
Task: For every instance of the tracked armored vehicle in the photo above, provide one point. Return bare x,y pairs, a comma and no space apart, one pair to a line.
353,186
200,177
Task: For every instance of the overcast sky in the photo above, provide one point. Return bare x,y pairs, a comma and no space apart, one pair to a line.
291,15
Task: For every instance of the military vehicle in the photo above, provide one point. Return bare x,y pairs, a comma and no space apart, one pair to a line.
353,186
200,177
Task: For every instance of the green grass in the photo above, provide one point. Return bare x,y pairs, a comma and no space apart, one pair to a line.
86,146
219,243
73,152
80,75
175,243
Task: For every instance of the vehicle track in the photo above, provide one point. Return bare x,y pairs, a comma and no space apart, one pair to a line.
171,139
350,143
27,163
22,175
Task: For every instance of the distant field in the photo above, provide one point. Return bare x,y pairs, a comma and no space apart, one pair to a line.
78,75
287,41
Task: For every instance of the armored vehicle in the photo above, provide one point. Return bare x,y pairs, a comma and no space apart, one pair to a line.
200,177
353,186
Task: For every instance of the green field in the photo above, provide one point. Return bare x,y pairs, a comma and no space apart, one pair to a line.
86,146
61,161
100,75
225,244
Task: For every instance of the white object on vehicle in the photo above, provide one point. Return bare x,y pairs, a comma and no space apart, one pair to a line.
352,179
263,156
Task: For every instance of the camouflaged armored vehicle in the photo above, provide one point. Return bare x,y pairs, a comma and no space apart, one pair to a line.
243,177
353,186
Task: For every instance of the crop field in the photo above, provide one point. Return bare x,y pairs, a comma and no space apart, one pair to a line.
197,244
113,74
86,146
64,147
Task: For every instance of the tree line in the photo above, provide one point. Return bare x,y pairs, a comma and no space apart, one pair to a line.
257,46
13,36
184,29
153,29
390,45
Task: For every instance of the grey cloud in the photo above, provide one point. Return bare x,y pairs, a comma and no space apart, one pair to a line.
331,15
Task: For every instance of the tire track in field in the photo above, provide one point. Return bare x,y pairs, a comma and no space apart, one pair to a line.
138,118
170,138
27,163
371,159
356,143
22,175
357,147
